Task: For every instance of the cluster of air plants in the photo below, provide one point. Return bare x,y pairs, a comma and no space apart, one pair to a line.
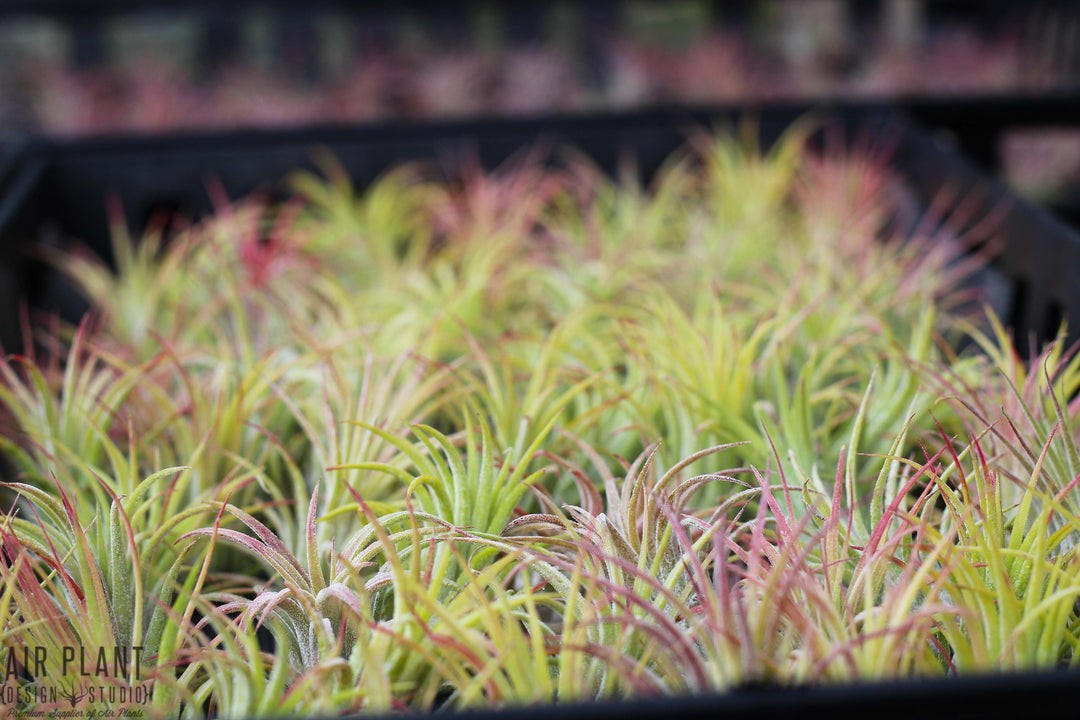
534,436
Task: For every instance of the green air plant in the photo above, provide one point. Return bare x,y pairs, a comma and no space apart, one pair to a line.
1010,569
66,414
1022,403
106,582
144,294
396,582
458,443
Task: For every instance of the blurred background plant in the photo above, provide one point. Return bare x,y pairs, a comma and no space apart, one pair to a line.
267,64
156,69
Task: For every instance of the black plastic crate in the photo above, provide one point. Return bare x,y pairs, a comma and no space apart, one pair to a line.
1026,695
56,190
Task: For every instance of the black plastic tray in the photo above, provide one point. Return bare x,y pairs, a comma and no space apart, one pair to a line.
57,190
988,697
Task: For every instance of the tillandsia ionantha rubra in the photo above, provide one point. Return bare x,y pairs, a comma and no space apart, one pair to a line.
534,435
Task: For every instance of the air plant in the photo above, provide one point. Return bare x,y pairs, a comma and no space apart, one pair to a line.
111,582
458,444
